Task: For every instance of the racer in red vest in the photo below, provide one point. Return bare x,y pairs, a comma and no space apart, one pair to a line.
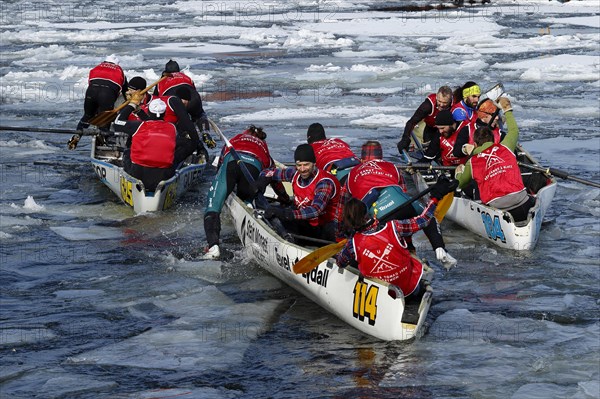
494,167
316,196
380,250
106,81
466,99
253,150
380,185
176,84
442,146
138,83
155,148
333,155
427,111
170,86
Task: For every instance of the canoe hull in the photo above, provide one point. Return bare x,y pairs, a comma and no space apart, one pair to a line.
363,303
131,190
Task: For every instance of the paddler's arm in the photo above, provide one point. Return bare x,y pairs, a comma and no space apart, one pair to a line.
463,174
407,227
512,137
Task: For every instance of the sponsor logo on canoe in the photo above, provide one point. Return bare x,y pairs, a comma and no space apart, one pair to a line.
317,276
493,227
283,260
253,235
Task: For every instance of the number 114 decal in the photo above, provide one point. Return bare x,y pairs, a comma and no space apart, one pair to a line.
365,302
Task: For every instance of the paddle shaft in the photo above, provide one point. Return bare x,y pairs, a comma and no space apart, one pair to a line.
42,130
108,116
559,173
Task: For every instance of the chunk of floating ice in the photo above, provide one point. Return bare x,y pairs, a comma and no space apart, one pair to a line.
87,233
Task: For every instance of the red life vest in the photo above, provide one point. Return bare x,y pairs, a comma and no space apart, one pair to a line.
446,148
371,174
330,150
430,119
304,196
496,172
383,255
176,79
153,144
247,143
108,71
472,128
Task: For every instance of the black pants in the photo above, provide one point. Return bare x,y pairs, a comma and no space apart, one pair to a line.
98,98
234,179
520,213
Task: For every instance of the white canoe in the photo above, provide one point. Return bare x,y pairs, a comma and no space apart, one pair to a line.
363,303
107,164
498,226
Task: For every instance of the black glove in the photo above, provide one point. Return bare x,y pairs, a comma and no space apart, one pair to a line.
443,186
210,143
280,213
284,199
203,123
403,144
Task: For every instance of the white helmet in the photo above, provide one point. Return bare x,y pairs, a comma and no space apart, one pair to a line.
157,107
112,58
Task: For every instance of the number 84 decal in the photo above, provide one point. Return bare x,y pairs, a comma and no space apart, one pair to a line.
493,227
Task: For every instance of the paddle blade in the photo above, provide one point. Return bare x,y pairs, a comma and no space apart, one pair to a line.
319,255
443,206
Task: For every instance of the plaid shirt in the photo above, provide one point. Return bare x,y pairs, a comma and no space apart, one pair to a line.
403,228
323,192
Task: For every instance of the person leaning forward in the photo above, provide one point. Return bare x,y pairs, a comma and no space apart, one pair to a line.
380,185
380,250
105,82
252,148
155,148
495,169
169,87
426,112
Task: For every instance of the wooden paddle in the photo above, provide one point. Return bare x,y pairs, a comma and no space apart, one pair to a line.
316,257
559,173
107,117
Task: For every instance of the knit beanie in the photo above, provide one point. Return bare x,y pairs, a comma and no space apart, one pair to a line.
305,153
137,83
315,132
444,118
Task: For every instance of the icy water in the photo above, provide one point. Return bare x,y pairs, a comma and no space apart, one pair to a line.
99,303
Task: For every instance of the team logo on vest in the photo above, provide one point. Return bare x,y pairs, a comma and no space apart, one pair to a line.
382,265
491,158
